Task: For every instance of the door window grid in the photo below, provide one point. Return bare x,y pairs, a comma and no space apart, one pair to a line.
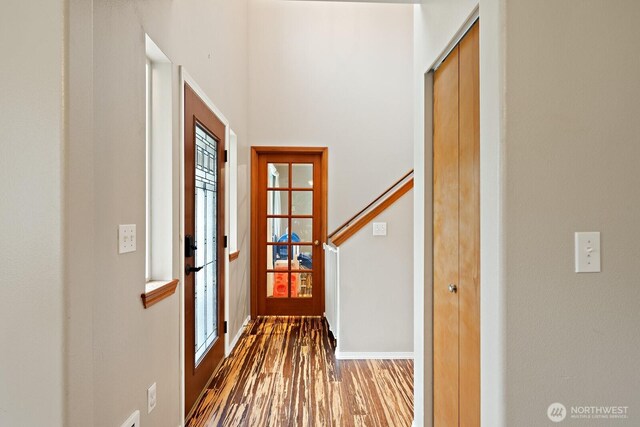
206,280
296,181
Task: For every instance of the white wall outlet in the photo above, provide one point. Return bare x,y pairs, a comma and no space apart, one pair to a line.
126,238
151,398
379,228
587,252
133,420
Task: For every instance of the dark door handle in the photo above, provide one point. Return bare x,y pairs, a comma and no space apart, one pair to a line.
188,269
189,246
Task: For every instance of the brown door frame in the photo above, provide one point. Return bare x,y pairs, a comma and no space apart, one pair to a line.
196,111
256,151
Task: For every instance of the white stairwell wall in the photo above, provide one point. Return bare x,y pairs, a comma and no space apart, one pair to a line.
376,289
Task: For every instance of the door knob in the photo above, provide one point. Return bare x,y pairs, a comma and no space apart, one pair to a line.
188,269
316,243
453,288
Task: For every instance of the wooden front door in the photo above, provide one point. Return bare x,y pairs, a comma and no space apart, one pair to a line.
204,146
288,229
456,243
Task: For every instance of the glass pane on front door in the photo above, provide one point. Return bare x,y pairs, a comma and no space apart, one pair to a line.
206,254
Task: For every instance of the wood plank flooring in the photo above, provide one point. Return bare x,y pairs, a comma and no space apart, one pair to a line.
283,373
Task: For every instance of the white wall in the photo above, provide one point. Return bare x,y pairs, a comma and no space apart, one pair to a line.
572,106
339,75
376,286
125,348
32,139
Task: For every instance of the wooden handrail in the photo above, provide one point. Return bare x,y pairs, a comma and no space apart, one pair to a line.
370,204
349,228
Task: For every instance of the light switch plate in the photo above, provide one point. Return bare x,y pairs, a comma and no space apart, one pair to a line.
587,252
151,398
379,228
126,238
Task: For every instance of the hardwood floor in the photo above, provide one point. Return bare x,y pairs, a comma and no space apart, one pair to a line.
283,373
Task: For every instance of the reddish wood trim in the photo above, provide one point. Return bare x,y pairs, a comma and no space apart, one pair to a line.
256,236
155,296
196,112
296,150
359,224
324,162
254,227
234,255
339,229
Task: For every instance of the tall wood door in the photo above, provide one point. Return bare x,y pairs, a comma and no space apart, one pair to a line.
289,226
456,216
204,146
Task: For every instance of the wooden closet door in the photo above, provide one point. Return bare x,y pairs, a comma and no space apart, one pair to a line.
456,228
445,243
469,229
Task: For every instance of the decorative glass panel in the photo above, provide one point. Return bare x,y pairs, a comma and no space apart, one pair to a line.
206,256
200,312
211,304
200,224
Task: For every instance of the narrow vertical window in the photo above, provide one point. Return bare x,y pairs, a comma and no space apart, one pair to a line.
159,197
233,192
147,272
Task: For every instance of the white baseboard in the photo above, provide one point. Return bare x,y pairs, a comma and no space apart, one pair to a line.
356,355
237,337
